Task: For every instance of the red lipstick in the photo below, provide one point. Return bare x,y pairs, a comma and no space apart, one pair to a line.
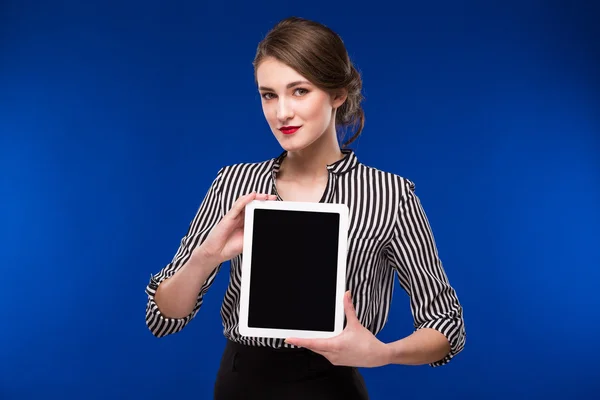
288,130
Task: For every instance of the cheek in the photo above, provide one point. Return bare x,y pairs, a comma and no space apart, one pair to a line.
269,112
317,110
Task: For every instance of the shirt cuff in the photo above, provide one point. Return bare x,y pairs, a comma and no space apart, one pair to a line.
453,330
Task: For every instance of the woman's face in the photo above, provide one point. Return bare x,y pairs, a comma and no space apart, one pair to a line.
297,112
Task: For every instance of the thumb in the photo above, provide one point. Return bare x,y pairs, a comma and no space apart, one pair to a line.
349,310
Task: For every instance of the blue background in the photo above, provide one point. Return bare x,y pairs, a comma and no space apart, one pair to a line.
115,118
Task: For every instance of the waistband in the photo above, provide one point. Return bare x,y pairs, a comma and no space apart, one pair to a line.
282,360
263,349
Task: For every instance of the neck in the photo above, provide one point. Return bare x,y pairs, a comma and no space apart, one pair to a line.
311,163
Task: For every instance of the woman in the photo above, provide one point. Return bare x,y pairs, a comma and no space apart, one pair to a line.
310,91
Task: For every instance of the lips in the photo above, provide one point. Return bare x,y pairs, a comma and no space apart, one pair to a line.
288,130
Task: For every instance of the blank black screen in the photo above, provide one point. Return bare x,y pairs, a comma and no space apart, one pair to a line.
294,270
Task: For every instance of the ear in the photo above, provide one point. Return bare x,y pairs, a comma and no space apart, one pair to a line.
338,98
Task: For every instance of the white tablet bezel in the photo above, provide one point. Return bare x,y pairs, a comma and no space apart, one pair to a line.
340,209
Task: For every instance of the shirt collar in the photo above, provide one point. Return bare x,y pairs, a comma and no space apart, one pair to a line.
346,164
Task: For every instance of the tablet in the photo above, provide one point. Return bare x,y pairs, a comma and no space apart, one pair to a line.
293,269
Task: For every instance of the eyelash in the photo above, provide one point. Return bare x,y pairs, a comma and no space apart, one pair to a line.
266,94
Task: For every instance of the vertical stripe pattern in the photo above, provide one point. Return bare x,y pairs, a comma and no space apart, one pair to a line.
389,238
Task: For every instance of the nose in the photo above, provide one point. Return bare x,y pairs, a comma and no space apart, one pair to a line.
284,110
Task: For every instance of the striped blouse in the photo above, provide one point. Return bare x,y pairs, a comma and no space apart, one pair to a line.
389,235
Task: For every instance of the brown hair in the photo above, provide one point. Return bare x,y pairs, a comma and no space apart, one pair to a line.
317,53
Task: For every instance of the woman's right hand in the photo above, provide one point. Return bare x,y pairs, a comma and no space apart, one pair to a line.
225,240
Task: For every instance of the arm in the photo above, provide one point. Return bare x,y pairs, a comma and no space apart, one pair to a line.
176,292
437,313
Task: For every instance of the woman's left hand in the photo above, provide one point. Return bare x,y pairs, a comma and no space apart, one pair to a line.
356,346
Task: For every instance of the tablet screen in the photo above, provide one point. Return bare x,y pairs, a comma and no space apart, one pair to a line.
294,270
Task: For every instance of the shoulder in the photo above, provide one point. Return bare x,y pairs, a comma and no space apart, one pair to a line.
376,177
245,170
237,179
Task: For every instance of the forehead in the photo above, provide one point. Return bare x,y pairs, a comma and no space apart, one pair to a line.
273,73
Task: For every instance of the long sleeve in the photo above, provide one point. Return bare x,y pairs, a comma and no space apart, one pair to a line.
208,215
433,301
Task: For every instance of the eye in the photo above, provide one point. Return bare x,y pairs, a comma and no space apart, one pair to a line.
300,91
267,96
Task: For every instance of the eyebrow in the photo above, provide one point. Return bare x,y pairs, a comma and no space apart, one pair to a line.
288,86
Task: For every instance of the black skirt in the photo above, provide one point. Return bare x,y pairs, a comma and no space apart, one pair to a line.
252,372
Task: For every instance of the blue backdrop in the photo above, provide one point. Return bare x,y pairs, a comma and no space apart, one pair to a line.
115,118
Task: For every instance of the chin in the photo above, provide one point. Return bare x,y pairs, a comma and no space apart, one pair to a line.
294,143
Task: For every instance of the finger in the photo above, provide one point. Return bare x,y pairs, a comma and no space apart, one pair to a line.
266,196
349,310
325,354
316,345
240,204
262,196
